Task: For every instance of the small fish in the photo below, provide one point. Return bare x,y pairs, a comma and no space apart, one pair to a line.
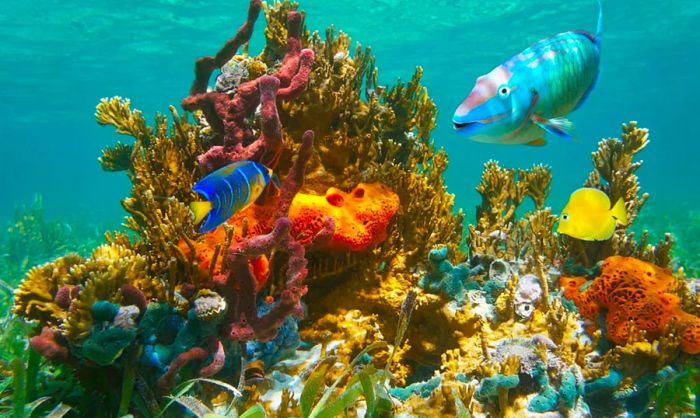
588,215
228,190
532,92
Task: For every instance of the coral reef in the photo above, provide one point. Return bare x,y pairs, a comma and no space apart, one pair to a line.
348,288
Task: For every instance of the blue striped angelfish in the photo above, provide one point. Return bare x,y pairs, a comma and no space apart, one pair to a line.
532,92
228,190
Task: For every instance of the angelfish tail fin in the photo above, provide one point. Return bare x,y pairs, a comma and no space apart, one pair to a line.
276,181
200,210
619,212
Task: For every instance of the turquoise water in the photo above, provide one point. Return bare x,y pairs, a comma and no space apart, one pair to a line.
57,59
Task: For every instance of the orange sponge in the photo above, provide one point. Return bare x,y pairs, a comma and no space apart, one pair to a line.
635,293
361,218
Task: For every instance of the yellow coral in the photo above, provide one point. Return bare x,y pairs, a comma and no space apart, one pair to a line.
102,275
502,191
34,298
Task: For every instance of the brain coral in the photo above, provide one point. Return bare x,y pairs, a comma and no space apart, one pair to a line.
635,293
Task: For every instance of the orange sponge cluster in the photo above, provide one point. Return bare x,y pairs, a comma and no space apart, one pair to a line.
361,218
636,294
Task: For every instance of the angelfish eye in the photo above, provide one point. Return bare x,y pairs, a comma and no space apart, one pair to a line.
565,217
504,91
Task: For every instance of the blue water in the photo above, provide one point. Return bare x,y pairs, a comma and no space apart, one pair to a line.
58,58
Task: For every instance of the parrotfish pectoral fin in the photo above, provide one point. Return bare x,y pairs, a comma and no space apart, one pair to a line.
619,212
560,127
537,142
200,210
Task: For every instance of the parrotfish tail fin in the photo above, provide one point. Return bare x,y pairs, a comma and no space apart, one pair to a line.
619,212
200,210
599,29
560,127
276,181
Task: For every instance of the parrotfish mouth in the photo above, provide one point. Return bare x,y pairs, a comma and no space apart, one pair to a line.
458,126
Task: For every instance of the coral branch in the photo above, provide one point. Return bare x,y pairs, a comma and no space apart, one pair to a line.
205,65
295,177
217,363
166,382
46,345
244,322
228,113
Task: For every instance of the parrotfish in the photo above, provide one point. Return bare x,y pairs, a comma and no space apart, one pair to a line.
588,215
228,190
534,91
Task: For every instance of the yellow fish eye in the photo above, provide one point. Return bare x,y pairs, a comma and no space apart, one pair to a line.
564,217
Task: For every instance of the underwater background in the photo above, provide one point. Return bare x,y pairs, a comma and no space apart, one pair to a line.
59,58
427,310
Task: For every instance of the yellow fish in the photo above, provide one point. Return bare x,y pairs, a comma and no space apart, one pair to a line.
588,215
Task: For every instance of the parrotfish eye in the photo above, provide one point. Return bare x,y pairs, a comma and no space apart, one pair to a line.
503,91
564,217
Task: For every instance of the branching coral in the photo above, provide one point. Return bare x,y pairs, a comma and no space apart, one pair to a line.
502,191
227,113
62,293
35,297
364,204
614,168
161,168
614,173
244,323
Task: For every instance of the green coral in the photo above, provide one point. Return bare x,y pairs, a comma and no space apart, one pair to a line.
105,346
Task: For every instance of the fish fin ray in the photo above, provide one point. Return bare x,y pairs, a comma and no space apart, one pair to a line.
276,181
200,210
619,212
560,127
537,142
